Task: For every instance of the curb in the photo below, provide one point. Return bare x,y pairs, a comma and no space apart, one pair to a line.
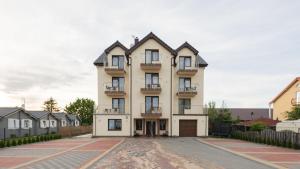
244,155
90,163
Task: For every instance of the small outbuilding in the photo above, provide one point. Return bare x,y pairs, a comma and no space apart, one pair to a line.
291,125
45,122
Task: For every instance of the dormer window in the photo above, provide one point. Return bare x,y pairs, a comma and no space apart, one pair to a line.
185,62
151,56
118,61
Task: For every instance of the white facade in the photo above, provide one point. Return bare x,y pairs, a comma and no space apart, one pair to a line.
292,125
150,89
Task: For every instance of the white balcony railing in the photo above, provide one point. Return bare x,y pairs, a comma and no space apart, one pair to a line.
190,109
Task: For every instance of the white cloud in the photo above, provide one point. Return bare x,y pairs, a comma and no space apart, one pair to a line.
48,47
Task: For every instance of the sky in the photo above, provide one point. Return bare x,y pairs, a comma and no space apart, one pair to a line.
47,48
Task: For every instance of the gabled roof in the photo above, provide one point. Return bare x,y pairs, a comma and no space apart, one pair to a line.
154,37
200,62
101,60
4,111
38,114
187,45
116,44
245,113
60,115
285,89
72,117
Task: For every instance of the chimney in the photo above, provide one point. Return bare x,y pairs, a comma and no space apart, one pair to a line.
136,40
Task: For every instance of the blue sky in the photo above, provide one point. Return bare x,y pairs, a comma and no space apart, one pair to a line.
48,47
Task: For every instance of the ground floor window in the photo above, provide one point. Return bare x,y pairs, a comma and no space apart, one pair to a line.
114,124
162,124
139,124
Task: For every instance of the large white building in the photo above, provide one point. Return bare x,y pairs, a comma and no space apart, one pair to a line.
150,89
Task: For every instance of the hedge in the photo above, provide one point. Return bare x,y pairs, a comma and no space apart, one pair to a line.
26,140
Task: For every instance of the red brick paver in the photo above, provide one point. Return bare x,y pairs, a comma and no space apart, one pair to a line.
6,162
285,157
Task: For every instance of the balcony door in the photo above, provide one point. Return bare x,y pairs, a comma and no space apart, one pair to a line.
151,80
118,61
119,104
184,84
152,103
151,55
184,62
118,83
184,104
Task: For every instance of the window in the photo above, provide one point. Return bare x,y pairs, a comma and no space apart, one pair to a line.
114,124
118,83
151,55
13,123
184,62
298,97
151,80
184,84
138,124
152,104
52,123
184,104
63,123
162,124
26,123
118,61
118,104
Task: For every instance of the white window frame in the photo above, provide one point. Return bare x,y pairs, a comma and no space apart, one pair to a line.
23,123
53,123
42,125
63,123
13,123
76,123
298,97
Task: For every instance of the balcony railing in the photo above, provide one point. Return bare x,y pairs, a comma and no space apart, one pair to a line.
187,91
114,91
150,65
114,111
151,112
186,71
115,70
190,109
151,89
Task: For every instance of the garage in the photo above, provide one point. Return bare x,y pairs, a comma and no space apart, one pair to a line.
187,128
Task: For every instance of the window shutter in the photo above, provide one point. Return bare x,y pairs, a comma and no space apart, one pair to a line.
23,124
17,123
10,124
30,124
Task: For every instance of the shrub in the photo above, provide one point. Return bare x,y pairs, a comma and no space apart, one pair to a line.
13,136
25,140
20,141
7,143
257,126
14,142
1,144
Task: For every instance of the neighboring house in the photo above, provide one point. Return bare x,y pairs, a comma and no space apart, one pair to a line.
286,99
15,121
246,114
150,89
245,125
291,125
46,123
73,120
62,119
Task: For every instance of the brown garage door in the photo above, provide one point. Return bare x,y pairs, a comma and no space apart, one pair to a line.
188,128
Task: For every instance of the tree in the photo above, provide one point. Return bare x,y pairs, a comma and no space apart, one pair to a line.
83,108
51,105
294,114
212,111
258,126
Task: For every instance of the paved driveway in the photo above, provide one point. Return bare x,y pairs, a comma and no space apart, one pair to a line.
171,153
57,154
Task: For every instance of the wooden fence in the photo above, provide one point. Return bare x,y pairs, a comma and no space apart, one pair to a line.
74,131
283,138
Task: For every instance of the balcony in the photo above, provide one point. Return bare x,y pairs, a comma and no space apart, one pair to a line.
151,89
113,111
153,112
153,66
114,91
115,71
187,71
187,91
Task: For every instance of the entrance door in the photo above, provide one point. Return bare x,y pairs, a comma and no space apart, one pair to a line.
150,128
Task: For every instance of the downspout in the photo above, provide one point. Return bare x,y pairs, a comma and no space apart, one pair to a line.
130,109
171,97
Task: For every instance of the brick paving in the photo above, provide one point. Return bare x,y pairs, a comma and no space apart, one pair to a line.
285,157
63,154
